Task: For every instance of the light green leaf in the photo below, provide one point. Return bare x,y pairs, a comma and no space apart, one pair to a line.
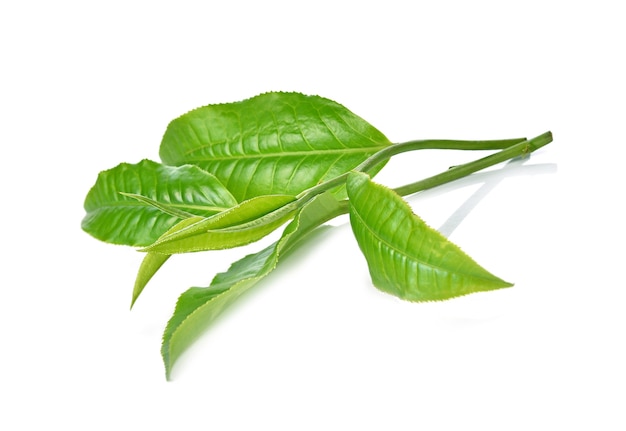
247,222
275,143
166,208
407,258
152,262
198,307
119,219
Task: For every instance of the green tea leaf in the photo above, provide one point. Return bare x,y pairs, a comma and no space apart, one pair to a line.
166,208
234,227
275,143
152,262
119,219
247,222
198,307
407,258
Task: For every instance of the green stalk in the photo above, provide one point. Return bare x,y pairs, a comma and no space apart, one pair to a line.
388,152
515,148
460,171
435,144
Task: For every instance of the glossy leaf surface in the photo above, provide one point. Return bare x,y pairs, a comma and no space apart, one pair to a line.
274,143
407,258
198,307
123,219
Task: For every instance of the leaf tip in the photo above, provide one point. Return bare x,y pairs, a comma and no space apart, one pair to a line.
165,355
168,374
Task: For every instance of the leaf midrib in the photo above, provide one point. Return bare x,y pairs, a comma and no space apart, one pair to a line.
392,247
339,151
174,205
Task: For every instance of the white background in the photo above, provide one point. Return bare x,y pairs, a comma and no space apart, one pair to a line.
86,85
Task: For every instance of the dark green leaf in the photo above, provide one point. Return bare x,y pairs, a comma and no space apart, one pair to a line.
121,219
275,143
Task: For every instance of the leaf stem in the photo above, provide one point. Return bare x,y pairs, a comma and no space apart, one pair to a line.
434,144
519,149
388,152
515,148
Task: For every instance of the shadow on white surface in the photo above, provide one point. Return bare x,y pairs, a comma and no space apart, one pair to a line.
490,180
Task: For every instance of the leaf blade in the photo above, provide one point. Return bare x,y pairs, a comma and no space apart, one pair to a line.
197,307
405,257
274,143
152,262
242,224
150,265
119,219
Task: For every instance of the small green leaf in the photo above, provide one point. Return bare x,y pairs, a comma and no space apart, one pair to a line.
152,262
247,222
119,219
166,208
407,258
198,307
275,143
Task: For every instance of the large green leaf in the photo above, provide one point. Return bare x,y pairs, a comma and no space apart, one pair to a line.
198,307
122,206
275,143
407,258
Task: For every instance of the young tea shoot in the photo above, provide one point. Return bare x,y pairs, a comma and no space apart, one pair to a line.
232,173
